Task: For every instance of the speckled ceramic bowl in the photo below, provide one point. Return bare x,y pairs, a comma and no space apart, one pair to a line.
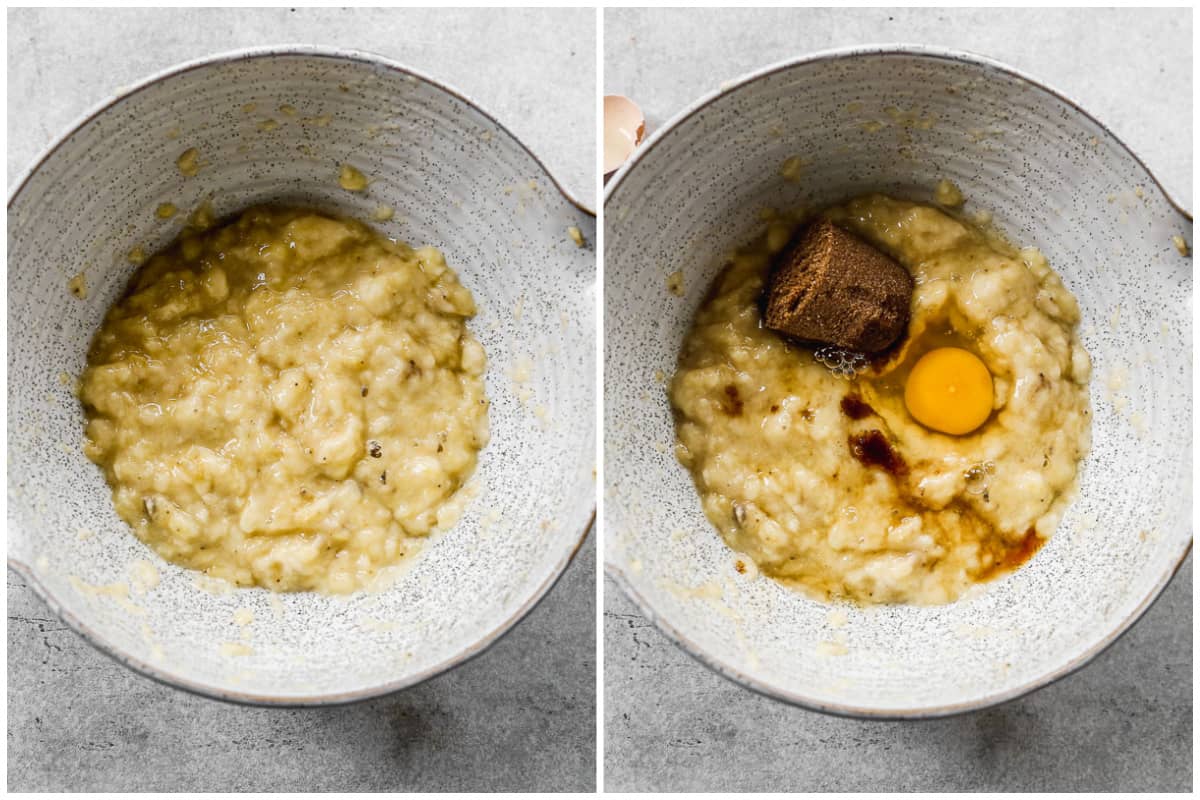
274,125
898,120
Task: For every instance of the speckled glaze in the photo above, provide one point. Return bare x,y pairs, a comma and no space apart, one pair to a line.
1054,178
457,180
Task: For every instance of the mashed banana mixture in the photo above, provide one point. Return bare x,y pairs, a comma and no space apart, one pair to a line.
287,401
827,482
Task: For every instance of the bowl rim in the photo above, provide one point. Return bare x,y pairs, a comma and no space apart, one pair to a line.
738,676
475,648
931,52
265,51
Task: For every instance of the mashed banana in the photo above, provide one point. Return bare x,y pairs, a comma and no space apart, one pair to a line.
826,482
287,401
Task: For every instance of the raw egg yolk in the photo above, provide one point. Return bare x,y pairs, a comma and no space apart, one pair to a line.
949,390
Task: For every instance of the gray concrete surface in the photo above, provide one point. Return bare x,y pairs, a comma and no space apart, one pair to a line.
519,717
1124,723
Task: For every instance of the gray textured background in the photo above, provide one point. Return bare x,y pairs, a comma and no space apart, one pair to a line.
519,717
1122,724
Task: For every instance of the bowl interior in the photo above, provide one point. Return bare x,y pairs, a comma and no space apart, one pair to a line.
274,127
899,122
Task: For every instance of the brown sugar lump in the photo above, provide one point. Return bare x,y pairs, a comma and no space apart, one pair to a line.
833,288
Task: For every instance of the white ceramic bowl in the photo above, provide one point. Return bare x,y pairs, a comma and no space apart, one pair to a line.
1054,177
457,180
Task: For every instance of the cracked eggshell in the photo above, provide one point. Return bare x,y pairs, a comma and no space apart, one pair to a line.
624,128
